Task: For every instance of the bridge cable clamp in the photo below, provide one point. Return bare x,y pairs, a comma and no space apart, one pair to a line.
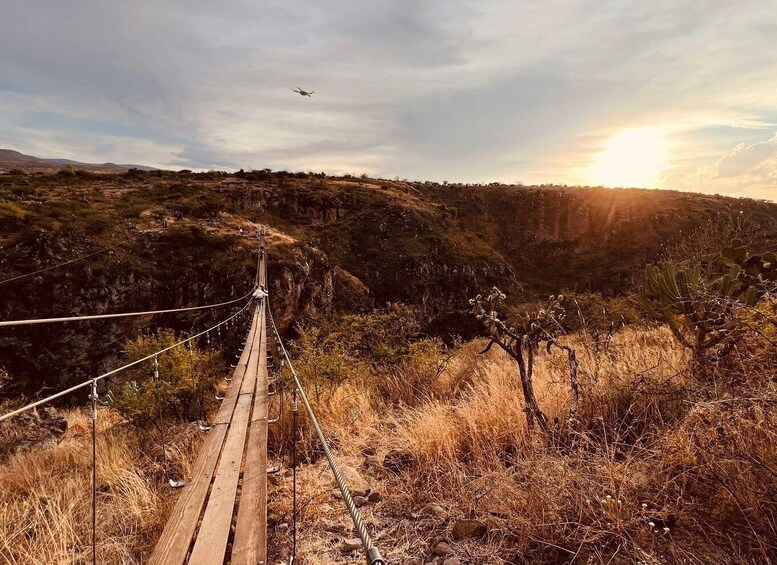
93,396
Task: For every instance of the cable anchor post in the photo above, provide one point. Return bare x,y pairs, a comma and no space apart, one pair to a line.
156,370
157,382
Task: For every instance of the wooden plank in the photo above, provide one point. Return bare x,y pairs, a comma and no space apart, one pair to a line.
173,545
217,470
224,414
211,543
250,543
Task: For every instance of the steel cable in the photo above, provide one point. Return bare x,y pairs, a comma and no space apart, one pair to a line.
60,394
34,321
372,553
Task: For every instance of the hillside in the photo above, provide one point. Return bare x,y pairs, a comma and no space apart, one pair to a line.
341,243
13,160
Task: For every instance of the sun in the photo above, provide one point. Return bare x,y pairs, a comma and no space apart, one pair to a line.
631,158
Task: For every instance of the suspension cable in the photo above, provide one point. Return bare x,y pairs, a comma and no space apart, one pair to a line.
120,315
372,553
73,388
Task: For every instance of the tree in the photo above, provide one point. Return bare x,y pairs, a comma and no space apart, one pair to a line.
521,339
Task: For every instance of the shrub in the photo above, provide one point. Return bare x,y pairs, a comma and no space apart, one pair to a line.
11,215
702,304
185,375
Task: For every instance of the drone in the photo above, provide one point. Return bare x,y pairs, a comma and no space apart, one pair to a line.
303,92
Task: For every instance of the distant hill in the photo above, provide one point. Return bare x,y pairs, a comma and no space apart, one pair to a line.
10,160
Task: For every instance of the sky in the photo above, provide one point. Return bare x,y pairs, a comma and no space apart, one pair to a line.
660,94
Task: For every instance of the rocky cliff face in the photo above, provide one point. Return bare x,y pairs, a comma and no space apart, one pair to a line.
306,286
436,246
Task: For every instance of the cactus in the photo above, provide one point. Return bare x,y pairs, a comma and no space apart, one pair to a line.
701,308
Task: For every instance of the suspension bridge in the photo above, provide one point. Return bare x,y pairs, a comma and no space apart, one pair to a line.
220,515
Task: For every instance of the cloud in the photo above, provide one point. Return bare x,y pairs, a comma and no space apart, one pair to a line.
455,89
749,160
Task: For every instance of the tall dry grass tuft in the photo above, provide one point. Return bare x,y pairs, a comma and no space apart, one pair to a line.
45,494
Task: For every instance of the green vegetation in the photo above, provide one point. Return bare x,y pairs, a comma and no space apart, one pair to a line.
704,305
186,375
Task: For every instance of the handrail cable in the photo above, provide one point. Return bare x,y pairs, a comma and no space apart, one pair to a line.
73,388
372,552
76,259
33,321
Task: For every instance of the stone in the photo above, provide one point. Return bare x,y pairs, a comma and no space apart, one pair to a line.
413,561
335,527
451,561
359,501
443,549
356,483
463,529
375,497
351,544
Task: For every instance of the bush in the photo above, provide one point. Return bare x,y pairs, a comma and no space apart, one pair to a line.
11,215
184,377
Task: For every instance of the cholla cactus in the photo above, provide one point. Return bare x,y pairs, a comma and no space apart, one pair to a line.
521,340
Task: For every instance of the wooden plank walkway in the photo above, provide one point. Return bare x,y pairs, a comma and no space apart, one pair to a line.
229,479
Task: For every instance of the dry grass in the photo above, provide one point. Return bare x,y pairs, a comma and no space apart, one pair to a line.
45,494
649,451
661,471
